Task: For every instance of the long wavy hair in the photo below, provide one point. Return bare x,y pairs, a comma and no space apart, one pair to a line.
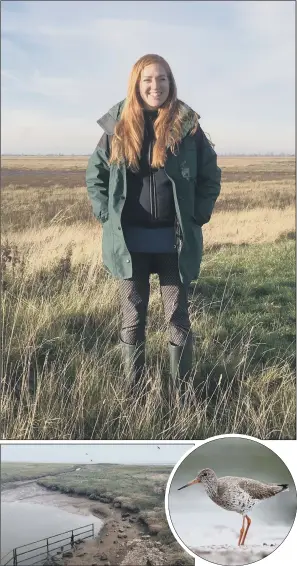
129,130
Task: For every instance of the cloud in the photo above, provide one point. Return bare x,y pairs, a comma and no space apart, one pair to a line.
38,132
266,20
69,63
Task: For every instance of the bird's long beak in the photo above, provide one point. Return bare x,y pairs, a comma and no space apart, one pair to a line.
190,483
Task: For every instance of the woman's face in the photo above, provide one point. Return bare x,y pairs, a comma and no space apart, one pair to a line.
154,86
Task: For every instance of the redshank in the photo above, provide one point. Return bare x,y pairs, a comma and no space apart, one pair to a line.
236,494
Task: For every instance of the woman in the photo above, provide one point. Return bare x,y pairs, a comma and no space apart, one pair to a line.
153,181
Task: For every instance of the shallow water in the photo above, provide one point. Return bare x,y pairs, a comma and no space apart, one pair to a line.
29,514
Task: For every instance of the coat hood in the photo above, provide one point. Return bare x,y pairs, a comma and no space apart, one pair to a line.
109,120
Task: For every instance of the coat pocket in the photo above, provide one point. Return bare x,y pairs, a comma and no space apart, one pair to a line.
107,246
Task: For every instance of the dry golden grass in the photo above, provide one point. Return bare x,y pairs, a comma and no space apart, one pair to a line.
34,162
80,161
48,244
258,162
257,202
255,226
61,315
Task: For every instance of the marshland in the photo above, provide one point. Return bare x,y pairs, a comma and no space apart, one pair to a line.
62,371
125,503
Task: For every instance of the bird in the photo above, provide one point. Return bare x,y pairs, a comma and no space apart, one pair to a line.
236,494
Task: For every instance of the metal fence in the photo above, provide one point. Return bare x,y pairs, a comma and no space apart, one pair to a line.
50,547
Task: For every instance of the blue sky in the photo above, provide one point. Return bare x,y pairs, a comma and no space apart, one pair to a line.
64,64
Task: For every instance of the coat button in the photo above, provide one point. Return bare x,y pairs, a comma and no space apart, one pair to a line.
128,260
119,228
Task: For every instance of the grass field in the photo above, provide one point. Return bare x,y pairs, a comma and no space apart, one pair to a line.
61,314
136,489
21,471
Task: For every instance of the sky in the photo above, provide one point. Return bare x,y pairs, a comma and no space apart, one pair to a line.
65,64
100,453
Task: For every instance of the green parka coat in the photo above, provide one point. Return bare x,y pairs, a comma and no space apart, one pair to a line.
196,181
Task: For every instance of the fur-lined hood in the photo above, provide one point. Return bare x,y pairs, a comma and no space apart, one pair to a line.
109,120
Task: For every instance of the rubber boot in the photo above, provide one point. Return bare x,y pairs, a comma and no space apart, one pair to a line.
134,361
181,364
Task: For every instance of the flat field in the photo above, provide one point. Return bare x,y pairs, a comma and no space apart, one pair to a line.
20,472
61,366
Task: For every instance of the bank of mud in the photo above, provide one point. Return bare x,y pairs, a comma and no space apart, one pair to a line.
125,538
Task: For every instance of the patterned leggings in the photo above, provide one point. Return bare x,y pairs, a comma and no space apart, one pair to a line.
134,295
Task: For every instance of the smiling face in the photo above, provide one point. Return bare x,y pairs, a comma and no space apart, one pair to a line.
154,86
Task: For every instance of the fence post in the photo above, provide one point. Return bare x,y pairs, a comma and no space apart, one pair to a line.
14,551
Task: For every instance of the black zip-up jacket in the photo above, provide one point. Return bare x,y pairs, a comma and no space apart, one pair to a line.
149,202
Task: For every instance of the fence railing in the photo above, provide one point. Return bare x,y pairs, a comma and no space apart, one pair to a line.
51,547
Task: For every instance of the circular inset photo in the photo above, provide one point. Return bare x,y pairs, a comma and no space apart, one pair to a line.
231,501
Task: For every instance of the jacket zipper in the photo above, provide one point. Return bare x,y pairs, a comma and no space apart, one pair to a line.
154,183
178,230
150,180
153,191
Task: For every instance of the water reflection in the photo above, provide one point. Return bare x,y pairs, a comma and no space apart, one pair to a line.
24,522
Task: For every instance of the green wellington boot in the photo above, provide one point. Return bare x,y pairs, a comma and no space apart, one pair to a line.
181,364
134,361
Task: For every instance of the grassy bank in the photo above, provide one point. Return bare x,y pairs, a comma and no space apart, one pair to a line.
22,471
61,333
128,498
61,317
132,489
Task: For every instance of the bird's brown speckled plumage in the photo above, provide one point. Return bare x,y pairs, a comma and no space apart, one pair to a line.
236,493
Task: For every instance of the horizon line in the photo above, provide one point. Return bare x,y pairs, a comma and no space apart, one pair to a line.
260,154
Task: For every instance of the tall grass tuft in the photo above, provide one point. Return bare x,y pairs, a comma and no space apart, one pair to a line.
62,370
61,367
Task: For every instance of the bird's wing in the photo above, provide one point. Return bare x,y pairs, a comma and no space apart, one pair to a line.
257,489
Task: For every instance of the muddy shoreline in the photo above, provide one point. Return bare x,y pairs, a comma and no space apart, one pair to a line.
122,540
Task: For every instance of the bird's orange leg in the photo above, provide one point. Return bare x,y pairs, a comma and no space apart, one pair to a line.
246,530
241,531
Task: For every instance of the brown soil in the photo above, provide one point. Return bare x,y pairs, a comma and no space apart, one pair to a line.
256,175
70,178
43,178
124,540
110,546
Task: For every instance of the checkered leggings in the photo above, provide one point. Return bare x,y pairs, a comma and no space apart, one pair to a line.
134,296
